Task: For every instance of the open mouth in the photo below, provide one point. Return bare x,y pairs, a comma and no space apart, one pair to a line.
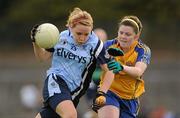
123,41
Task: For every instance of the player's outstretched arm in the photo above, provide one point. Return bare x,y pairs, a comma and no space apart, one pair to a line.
137,70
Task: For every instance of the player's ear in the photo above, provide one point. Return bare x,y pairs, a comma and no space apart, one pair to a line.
136,37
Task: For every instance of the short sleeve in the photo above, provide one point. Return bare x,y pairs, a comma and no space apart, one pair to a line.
102,59
104,56
144,54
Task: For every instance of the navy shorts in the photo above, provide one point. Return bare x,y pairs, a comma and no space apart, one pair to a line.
128,108
55,91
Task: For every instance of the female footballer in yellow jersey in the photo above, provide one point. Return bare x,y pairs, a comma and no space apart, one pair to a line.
122,92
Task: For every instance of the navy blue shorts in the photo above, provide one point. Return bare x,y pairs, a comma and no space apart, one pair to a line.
128,108
55,91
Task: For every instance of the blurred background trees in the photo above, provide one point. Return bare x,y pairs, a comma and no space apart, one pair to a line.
160,18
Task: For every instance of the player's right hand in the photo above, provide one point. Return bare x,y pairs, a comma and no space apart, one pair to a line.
115,66
33,32
99,101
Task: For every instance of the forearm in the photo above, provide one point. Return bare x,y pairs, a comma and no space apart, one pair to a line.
40,53
135,71
107,81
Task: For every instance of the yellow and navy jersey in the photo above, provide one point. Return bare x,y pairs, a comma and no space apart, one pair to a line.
124,85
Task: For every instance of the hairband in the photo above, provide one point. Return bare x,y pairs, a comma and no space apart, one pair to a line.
128,19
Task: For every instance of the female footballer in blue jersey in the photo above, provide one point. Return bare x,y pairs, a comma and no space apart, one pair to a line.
74,60
123,91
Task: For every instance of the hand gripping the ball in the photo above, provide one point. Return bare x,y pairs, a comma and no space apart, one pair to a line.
99,101
45,35
33,32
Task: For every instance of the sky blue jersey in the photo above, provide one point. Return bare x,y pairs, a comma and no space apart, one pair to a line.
75,63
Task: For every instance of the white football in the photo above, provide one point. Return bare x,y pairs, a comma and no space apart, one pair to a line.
47,35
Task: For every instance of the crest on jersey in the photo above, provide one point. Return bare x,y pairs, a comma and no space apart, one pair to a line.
53,84
63,41
73,47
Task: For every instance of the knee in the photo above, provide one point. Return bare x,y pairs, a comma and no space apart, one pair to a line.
66,109
71,114
38,115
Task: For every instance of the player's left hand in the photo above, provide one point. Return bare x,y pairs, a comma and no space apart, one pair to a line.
115,66
115,52
99,101
33,32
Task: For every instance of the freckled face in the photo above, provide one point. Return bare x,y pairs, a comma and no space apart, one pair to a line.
81,33
126,36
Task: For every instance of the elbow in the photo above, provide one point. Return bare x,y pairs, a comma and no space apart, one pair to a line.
44,57
136,73
40,59
139,73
